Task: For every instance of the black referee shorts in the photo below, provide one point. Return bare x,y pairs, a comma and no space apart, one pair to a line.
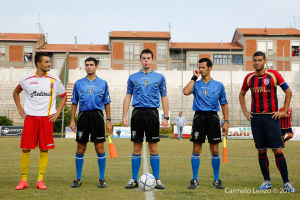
145,121
206,124
90,122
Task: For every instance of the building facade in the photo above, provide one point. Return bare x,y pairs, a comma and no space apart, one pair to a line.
122,52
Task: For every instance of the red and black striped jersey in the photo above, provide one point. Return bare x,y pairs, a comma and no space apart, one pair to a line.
263,90
285,122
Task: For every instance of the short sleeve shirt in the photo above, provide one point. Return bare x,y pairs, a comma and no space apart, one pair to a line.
263,90
91,95
40,94
146,89
208,96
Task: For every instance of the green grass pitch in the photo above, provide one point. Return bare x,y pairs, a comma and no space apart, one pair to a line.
240,175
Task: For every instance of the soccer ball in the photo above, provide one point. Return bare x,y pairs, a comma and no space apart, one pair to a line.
147,182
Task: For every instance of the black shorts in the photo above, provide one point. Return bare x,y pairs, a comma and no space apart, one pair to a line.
90,122
266,132
145,121
206,124
286,130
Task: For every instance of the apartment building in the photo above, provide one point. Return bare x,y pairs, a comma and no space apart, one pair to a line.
18,49
281,46
77,54
126,46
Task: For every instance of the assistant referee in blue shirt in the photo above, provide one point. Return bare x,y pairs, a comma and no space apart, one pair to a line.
146,86
93,96
208,93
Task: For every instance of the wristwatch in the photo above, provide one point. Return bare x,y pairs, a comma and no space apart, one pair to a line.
167,118
109,119
226,121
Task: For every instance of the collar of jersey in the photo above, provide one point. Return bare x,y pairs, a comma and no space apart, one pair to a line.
92,80
147,73
40,77
207,82
262,74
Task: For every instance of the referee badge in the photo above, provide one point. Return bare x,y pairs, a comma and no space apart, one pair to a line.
80,134
133,134
90,91
205,92
196,135
145,83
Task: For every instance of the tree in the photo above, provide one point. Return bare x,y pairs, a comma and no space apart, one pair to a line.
67,117
4,121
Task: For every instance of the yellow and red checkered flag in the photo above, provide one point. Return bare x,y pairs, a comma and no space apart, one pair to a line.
224,149
112,149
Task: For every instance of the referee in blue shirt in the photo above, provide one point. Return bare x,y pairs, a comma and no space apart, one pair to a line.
145,86
208,93
93,96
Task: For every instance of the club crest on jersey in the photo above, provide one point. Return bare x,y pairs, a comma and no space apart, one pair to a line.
205,92
133,134
145,83
80,134
51,85
90,91
266,81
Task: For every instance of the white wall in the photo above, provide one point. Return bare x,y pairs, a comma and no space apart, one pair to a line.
174,77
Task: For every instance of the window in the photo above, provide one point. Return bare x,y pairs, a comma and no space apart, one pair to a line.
295,48
295,66
178,65
59,62
161,67
270,65
129,51
103,62
224,59
262,45
28,53
136,48
237,59
132,67
2,50
161,52
177,55
193,64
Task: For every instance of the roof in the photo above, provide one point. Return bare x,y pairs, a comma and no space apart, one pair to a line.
95,48
139,34
202,45
269,31
20,36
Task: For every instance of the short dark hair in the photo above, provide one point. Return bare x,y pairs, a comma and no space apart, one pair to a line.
38,57
91,59
259,53
146,51
207,60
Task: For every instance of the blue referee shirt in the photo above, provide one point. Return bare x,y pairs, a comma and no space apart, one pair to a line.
146,88
92,95
207,96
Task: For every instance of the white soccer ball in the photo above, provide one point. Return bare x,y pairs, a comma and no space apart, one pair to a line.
147,182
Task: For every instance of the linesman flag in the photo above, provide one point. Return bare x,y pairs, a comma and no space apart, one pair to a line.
112,149
224,149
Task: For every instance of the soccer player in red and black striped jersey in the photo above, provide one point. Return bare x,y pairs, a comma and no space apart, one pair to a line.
264,116
286,126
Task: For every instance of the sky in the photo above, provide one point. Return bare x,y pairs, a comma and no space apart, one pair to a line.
190,20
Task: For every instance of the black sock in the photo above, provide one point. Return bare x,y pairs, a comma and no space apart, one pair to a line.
264,165
281,164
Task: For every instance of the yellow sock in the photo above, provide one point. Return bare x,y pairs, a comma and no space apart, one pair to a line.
25,162
43,164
